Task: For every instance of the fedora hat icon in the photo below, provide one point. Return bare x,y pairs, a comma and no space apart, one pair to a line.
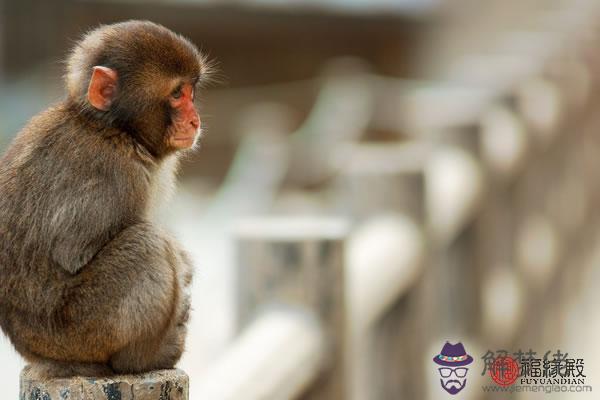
453,355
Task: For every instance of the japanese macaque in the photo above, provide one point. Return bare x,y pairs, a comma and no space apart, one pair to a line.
89,284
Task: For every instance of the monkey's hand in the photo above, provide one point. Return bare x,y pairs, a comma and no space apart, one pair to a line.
184,272
185,269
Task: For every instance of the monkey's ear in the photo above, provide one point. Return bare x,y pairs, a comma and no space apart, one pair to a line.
103,88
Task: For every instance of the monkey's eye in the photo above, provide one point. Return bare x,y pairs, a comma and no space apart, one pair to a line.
177,93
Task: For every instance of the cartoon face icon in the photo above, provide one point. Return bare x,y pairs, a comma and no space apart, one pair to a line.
452,362
453,379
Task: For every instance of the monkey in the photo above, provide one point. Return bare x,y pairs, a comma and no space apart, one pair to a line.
90,284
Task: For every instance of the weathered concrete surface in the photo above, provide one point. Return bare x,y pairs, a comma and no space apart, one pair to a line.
171,384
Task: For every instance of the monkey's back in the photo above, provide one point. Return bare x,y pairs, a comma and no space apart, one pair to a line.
65,192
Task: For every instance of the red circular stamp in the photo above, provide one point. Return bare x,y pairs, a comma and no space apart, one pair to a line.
504,371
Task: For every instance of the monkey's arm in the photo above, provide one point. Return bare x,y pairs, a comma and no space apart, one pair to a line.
76,233
88,198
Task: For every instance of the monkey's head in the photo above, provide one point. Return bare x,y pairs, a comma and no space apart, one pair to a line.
142,78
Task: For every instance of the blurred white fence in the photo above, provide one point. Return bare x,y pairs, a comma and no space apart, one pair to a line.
466,225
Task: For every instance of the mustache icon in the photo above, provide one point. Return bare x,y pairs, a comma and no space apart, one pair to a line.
453,383
453,386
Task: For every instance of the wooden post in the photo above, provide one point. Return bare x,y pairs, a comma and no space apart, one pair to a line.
383,184
171,384
454,190
505,146
298,262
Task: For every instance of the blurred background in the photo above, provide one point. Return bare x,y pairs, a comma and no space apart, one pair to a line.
377,177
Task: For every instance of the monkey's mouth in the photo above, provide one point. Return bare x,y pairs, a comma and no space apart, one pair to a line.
185,141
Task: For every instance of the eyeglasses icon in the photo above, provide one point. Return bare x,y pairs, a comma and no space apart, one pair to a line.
459,372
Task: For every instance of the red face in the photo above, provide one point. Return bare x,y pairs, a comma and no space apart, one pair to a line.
184,126
183,131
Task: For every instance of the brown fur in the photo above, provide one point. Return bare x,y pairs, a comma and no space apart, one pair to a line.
89,284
